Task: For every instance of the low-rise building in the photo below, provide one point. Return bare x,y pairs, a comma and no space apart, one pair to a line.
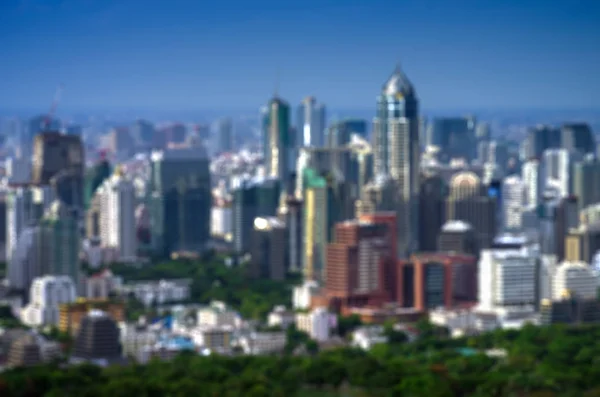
47,293
216,339
317,323
158,292
281,317
368,336
217,314
257,343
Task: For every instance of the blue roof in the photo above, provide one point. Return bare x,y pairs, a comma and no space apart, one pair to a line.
177,342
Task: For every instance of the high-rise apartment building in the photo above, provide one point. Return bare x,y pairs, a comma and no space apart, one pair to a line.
512,202
117,224
396,152
269,249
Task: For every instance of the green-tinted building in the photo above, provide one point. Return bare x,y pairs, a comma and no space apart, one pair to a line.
58,243
278,155
327,200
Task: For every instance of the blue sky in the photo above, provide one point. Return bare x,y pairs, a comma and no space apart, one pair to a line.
196,54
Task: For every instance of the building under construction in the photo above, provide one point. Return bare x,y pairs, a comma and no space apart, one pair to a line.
58,160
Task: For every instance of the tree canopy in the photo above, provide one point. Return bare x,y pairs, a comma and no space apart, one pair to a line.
549,361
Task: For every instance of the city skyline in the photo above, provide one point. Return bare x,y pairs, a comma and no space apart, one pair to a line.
529,54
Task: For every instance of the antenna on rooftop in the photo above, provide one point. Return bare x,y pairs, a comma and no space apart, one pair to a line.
276,88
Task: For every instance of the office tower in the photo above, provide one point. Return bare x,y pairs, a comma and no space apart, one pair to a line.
22,210
429,280
46,294
467,202
586,182
180,200
142,133
252,198
35,126
498,154
455,137
343,162
58,244
432,195
574,279
25,352
117,216
58,160
377,195
326,201
279,146
566,217
356,261
311,123
512,202
292,212
534,181
94,177
507,278
340,133
578,137
315,225
97,340
583,243
559,164
269,248
224,136
483,132
457,237
541,138
396,152
50,247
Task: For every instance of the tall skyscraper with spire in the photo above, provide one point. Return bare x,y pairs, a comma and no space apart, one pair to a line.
278,141
396,151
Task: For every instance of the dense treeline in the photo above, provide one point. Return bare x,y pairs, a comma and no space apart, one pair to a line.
213,280
542,362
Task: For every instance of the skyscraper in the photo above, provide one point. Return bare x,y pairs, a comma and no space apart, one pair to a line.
224,135
181,200
396,152
278,162
310,123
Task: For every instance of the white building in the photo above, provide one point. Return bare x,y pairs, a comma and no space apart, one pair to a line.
533,175
117,216
217,314
507,278
281,317
558,165
369,336
221,219
317,323
575,279
158,292
262,342
216,339
512,200
302,295
46,294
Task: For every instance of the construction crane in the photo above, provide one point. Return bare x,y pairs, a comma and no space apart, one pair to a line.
53,106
